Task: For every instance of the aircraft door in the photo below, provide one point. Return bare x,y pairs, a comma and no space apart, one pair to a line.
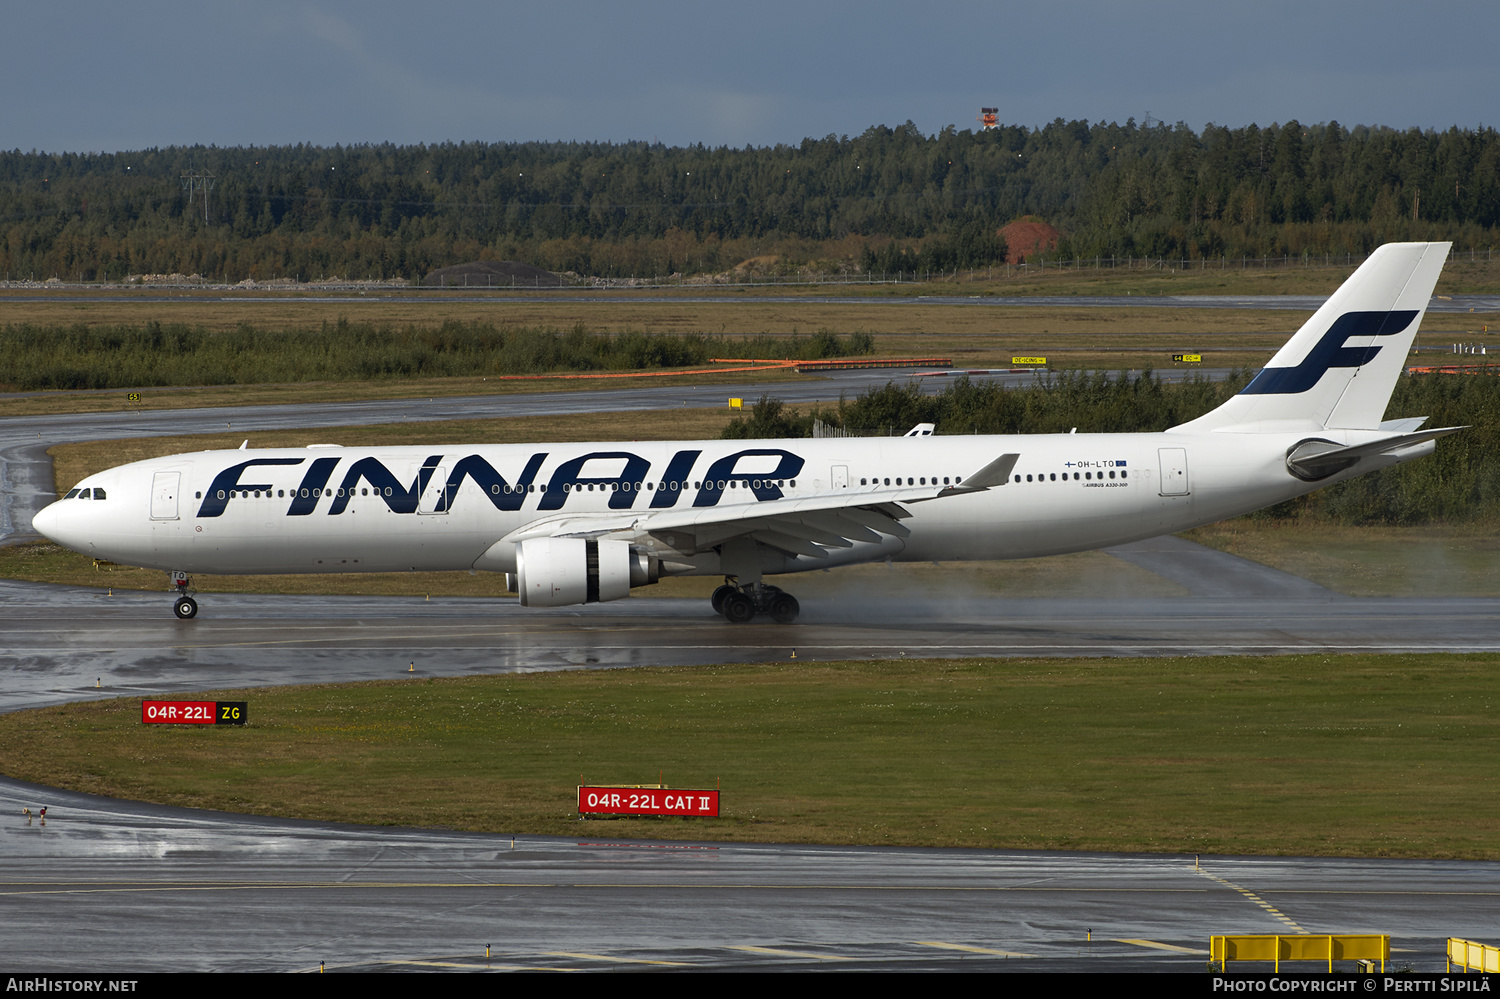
164,486
1174,471
841,476
433,499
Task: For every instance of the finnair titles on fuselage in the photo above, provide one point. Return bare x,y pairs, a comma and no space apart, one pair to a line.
584,522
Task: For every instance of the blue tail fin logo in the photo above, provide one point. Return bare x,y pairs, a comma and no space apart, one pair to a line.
1330,352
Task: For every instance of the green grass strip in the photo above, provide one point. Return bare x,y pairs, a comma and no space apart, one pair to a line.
1335,755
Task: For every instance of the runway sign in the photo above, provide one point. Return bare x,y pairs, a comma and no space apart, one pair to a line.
193,712
1189,358
1028,360
647,801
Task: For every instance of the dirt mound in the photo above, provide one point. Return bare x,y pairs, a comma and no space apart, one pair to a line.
757,265
1027,235
492,274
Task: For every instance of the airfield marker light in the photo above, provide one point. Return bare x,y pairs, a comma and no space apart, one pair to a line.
96,682
794,653
413,667
320,967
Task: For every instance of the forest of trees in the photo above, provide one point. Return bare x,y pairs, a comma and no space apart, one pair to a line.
885,199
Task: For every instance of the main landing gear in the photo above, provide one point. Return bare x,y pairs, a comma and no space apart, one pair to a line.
739,603
186,608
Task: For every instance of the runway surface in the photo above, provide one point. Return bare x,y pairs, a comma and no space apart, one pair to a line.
64,644
121,886
107,886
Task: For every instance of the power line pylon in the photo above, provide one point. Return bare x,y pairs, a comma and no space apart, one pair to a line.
198,180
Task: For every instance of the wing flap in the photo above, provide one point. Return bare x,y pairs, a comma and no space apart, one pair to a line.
802,526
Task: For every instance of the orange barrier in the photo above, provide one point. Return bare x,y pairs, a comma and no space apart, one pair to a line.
651,374
1455,369
754,364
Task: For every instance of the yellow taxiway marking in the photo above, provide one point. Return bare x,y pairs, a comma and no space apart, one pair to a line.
1270,909
612,960
1161,946
477,967
971,950
792,953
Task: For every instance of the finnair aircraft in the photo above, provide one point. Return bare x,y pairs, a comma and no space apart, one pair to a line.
585,522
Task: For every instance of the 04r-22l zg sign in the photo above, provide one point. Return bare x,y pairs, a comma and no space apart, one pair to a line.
193,712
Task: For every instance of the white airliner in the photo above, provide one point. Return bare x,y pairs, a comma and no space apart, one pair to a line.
584,522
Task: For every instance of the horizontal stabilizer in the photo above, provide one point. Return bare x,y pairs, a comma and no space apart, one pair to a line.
1312,460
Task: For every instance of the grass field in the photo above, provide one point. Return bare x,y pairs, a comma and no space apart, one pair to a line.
974,336
1308,755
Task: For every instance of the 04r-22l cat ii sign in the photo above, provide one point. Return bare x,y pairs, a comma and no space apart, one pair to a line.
583,522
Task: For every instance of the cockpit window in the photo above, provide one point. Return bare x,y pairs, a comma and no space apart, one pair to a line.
98,493
71,493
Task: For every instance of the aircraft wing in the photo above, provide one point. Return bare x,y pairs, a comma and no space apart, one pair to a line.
808,526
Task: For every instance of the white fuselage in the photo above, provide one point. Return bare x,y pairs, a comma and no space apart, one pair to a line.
447,508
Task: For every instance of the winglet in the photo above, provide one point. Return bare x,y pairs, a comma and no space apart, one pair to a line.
996,473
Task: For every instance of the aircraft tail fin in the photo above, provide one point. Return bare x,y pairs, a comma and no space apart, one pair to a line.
1340,368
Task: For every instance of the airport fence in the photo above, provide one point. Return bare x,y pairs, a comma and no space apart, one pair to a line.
1040,265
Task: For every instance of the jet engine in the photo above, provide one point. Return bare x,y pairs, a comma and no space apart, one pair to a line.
556,572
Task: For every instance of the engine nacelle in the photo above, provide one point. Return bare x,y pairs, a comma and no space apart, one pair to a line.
556,572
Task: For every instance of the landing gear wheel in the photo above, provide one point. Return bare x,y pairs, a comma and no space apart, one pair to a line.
185,608
737,608
784,609
718,598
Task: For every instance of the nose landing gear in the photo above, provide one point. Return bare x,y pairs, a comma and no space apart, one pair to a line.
186,608
739,603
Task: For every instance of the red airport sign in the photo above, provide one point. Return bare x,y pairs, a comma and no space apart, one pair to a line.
193,712
647,801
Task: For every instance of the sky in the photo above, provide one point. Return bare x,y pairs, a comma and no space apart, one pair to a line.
95,76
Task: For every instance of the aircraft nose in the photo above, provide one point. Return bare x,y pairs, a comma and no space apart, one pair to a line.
61,524
47,521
